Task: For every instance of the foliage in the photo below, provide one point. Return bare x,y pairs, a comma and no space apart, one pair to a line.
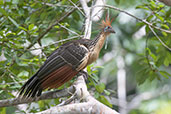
23,22
156,55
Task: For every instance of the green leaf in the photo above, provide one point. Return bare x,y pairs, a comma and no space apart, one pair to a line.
153,4
89,68
31,27
13,21
100,87
166,62
1,2
150,17
165,26
57,26
107,92
163,73
142,7
99,67
164,33
22,28
23,74
104,101
117,1
160,17
11,94
96,95
3,12
3,111
95,78
151,54
147,29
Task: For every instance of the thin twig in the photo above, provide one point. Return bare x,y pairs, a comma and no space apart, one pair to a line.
144,21
57,42
77,7
68,29
59,5
159,39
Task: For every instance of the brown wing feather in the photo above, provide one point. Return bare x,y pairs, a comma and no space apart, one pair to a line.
58,77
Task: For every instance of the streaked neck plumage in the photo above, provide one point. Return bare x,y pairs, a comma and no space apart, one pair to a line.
95,46
99,40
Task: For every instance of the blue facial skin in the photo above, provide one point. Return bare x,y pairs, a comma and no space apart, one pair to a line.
106,28
109,29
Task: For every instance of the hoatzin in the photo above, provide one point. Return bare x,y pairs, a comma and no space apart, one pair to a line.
66,62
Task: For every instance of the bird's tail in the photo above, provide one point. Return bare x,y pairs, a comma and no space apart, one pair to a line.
31,88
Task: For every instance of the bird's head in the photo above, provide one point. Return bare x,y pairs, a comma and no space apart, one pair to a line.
106,26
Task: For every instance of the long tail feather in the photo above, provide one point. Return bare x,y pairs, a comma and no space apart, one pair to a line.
31,87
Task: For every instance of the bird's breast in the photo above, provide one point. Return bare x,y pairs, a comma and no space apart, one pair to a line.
92,57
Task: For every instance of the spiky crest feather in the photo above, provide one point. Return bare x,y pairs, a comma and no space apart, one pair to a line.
106,22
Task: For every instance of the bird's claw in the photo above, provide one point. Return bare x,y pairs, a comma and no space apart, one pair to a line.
85,75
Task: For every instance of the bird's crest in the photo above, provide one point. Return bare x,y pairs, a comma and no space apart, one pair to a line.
106,22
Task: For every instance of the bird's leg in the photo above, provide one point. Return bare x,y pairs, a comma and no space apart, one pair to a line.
69,100
85,75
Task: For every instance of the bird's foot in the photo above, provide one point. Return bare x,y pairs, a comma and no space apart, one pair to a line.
85,75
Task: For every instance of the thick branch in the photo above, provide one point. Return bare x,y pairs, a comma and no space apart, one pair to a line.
88,22
89,106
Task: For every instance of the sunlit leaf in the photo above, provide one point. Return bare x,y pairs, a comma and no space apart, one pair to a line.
31,27
100,87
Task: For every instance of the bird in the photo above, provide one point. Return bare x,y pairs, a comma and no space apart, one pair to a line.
65,62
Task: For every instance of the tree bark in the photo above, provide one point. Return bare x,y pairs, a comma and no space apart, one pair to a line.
89,105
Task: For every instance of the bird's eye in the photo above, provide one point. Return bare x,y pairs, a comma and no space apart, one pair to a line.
107,27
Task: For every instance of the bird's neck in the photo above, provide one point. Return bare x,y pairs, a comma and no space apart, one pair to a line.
95,47
98,42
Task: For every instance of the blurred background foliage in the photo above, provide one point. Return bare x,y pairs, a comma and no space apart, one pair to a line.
147,61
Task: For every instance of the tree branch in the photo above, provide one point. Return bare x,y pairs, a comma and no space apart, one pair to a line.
155,34
144,21
88,21
88,106
121,84
44,96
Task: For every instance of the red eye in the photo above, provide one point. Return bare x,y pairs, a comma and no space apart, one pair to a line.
107,27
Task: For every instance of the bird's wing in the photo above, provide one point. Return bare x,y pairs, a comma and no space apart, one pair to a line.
71,53
61,66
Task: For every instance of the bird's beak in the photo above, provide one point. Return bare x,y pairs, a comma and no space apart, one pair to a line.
111,30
